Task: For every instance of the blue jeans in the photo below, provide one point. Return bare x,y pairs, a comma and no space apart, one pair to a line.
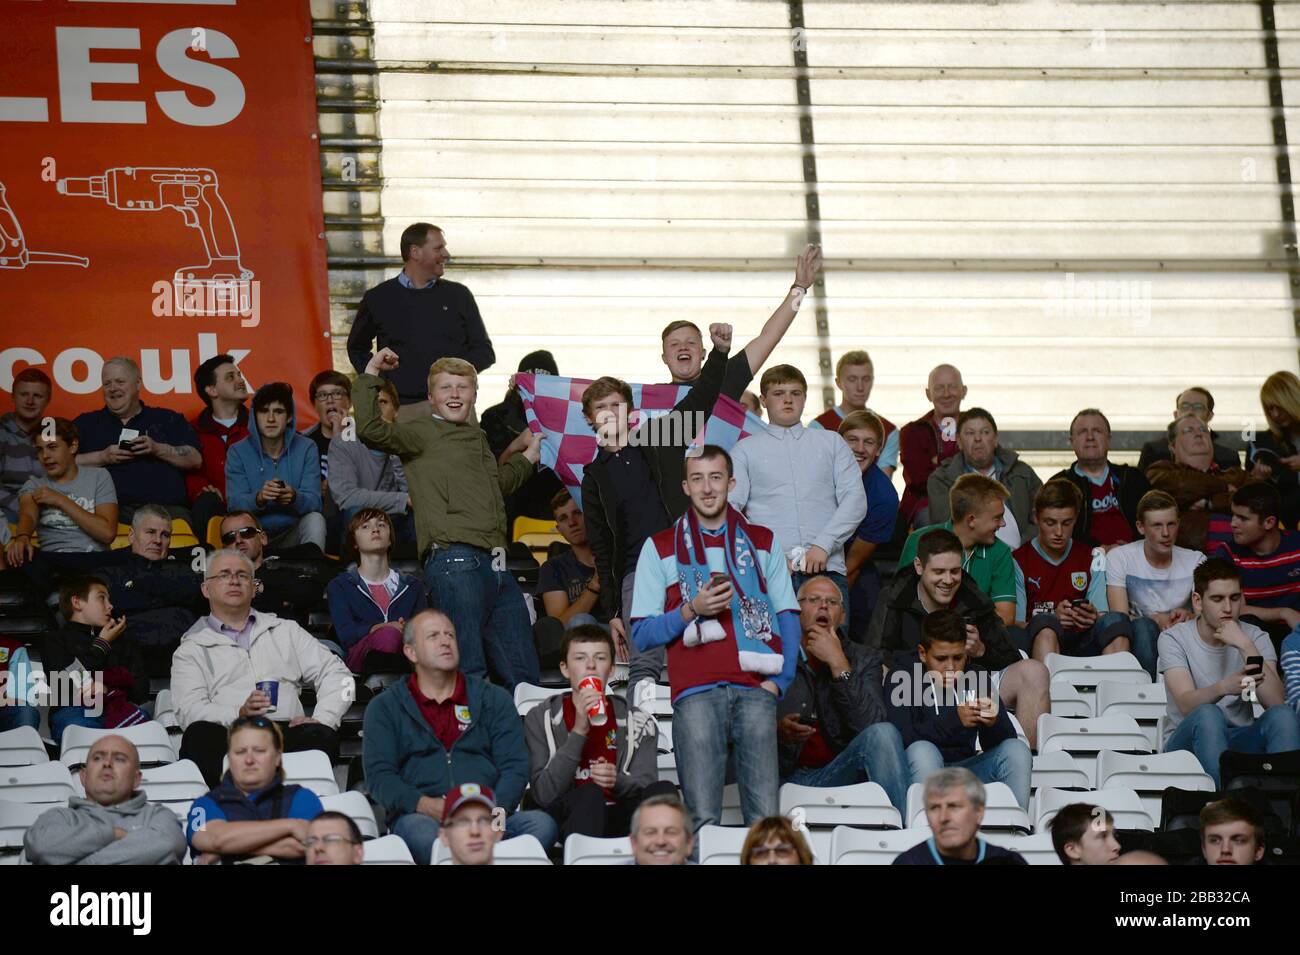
487,609
1205,732
66,716
875,755
705,724
420,832
14,715
1107,628
1146,635
1009,762
862,600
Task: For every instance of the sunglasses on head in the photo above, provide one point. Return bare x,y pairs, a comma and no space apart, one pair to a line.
244,533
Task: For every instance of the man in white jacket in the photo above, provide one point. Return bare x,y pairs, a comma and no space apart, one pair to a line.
225,656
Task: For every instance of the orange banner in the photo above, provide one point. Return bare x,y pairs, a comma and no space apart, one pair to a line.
160,194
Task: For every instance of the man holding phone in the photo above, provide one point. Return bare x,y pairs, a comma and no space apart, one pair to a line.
1216,669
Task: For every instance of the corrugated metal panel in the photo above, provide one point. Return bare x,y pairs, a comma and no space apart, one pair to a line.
604,167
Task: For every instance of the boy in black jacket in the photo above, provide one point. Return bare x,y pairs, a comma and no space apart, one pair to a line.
93,642
941,710
833,727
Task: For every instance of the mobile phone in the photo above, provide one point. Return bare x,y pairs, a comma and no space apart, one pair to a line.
718,577
1078,601
1254,666
127,438
806,719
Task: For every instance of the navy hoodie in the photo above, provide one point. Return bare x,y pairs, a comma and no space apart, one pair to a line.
354,612
934,721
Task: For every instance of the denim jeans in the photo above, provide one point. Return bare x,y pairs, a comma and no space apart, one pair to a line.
1108,627
420,832
862,600
66,716
14,715
1009,762
705,724
875,755
1205,732
487,609
1146,636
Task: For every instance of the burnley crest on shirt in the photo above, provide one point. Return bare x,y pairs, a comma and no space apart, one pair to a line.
1079,580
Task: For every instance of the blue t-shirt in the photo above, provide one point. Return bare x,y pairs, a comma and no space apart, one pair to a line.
882,507
305,804
150,480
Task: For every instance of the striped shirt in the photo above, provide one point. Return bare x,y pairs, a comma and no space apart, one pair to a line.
1291,669
1271,580
17,463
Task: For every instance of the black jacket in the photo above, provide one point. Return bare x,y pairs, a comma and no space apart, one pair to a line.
160,598
76,641
896,622
667,462
1132,483
843,710
919,715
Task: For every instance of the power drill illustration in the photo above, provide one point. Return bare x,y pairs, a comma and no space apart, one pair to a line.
14,253
220,286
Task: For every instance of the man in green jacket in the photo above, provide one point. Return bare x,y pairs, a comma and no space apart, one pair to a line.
458,489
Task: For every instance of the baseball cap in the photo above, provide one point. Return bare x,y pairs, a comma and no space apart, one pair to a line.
463,795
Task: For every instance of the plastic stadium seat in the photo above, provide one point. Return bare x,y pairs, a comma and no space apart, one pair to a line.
731,814
175,785
1067,701
865,805
1083,739
527,696
164,711
312,769
863,847
1001,811
721,845
42,783
1146,703
357,807
1037,849
150,739
531,525
22,747
521,850
15,819
213,534
1150,775
667,758
1087,672
1276,774
1123,804
588,850
1058,770
388,850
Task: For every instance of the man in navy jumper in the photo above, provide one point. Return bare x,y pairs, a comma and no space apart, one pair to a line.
954,808
716,591
421,315
437,730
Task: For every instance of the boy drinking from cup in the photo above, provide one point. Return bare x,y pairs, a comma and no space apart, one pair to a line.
592,760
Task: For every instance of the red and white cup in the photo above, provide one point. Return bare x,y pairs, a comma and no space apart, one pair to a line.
597,715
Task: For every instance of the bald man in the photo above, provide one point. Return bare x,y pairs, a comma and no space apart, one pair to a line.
927,442
113,824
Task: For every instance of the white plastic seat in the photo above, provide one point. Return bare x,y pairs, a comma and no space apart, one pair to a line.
387,850
731,814
1145,702
1150,775
851,846
1083,739
659,705
721,845
1037,849
164,711
1123,804
22,747
521,850
1057,770
1087,672
15,819
1001,811
150,739
356,807
527,696
865,805
311,768
588,850
40,783
1068,701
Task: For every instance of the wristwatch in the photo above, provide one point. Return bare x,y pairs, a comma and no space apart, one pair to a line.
844,676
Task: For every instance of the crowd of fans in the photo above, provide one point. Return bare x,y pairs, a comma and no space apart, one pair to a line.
754,575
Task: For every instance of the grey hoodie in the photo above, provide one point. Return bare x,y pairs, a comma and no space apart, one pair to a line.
82,834
554,753
361,478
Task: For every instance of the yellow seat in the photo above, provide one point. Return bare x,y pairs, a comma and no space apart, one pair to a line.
531,525
121,540
214,532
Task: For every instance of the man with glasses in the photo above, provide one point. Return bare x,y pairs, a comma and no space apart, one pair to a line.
240,662
1194,401
834,729
282,591
333,839
1201,488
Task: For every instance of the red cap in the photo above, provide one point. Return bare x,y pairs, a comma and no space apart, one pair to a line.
463,795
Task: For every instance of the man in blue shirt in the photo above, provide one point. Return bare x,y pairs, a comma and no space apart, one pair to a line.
146,450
